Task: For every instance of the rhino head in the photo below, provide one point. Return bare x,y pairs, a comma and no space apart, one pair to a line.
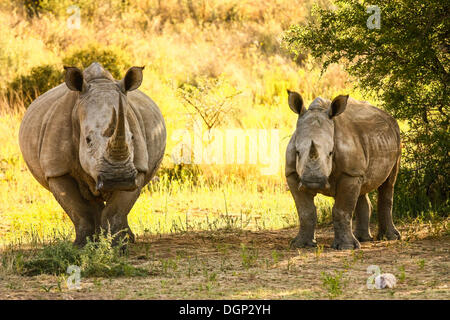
314,138
105,141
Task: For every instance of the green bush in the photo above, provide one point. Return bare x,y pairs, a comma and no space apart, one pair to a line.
45,77
38,81
98,258
101,258
413,198
111,58
405,64
53,259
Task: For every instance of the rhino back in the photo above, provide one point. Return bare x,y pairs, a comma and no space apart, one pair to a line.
153,129
367,142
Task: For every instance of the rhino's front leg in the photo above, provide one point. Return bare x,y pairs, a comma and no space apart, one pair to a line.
81,211
347,194
114,216
304,202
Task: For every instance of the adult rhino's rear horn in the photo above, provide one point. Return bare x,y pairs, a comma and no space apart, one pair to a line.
117,145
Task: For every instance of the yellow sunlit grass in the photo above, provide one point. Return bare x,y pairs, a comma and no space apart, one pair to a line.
179,43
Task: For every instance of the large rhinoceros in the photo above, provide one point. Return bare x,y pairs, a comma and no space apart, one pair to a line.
344,155
94,142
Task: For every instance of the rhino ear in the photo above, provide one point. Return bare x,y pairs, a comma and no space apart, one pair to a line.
337,106
74,79
132,79
296,102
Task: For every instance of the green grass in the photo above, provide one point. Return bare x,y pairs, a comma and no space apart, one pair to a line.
334,284
249,256
176,204
98,258
234,58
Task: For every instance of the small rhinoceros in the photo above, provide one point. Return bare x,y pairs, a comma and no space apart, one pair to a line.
94,142
343,149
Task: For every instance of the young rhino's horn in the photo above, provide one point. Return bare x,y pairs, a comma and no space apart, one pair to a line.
313,151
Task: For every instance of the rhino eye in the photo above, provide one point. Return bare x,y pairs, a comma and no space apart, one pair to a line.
88,140
330,154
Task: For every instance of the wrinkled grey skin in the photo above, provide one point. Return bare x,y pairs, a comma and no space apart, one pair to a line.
343,149
94,142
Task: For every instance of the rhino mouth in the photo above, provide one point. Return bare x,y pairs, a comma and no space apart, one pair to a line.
314,183
105,184
117,179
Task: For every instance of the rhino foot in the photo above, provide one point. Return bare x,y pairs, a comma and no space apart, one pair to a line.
123,237
81,241
363,235
346,245
392,234
299,242
83,233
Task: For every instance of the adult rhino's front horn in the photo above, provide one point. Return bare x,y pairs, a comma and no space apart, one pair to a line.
117,149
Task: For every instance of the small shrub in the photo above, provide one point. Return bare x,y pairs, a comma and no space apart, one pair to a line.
249,256
40,79
112,58
402,274
106,257
97,258
209,98
421,264
275,256
333,284
53,259
167,264
319,250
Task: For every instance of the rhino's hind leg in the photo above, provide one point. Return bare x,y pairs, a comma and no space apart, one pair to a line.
81,211
363,211
347,194
386,228
307,214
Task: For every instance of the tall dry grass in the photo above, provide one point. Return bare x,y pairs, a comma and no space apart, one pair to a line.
181,43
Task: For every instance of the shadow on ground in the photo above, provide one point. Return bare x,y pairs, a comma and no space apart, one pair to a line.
238,264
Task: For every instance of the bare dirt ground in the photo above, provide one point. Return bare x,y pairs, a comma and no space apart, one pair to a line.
258,265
